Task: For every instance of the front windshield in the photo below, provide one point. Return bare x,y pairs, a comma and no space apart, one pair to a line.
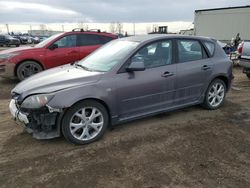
105,58
46,41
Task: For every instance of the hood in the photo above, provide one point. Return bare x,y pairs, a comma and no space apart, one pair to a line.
56,79
11,50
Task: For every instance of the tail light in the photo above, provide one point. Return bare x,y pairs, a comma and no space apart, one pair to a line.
240,48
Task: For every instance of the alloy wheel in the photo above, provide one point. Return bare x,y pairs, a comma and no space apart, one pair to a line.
216,94
86,123
30,69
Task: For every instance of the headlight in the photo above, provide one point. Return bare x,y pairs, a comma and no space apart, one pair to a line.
36,101
7,56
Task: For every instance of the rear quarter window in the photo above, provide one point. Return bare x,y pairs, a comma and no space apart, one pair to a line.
105,39
210,46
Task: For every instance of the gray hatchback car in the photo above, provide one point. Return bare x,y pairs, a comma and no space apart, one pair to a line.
126,79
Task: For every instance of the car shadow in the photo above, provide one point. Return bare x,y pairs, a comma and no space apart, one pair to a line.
7,81
6,85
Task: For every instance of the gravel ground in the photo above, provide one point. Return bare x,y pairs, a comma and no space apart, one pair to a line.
192,147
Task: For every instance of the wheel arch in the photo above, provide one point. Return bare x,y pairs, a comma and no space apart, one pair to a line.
224,79
102,102
20,62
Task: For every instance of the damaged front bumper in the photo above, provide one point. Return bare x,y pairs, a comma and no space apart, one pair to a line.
42,124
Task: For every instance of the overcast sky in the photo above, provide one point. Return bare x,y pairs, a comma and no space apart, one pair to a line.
59,11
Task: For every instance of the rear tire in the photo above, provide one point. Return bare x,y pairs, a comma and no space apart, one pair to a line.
215,95
85,122
27,69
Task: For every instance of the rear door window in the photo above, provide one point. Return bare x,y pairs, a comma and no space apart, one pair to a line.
189,50
89,40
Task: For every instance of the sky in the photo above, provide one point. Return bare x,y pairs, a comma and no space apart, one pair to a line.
175,12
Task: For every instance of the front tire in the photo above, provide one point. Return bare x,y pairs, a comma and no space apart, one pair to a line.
215,95
85,122
27,69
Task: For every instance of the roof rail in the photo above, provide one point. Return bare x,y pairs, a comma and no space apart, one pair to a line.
78,29
82,30
97,30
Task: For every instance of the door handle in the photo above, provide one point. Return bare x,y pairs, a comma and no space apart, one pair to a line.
167,74
205,67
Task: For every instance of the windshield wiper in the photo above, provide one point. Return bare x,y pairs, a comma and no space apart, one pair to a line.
74,62
83,67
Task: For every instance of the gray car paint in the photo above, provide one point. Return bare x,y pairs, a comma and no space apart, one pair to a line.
56,79
133,95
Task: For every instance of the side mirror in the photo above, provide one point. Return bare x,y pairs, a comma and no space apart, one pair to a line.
53,46
137,65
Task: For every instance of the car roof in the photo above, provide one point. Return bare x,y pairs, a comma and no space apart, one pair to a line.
91,32
4,35
152,37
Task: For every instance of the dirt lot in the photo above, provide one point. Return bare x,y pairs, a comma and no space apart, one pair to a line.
187,148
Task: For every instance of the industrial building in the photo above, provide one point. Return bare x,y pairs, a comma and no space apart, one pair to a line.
43,32
223,23
187,32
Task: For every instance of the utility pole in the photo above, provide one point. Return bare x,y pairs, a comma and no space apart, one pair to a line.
7,27
30,29
134,27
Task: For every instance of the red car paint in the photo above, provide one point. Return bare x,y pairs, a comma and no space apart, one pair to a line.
49,58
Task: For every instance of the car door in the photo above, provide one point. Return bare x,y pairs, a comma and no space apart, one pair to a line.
66,51
88,43
193,70
151,90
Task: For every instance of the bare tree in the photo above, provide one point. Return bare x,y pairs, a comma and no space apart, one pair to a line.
49,29
119,27
85,27
116,27
43,27
80,24
112,27
7,28
148,29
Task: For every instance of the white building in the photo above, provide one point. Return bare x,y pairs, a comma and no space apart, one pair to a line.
223,23
187,32
43,32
